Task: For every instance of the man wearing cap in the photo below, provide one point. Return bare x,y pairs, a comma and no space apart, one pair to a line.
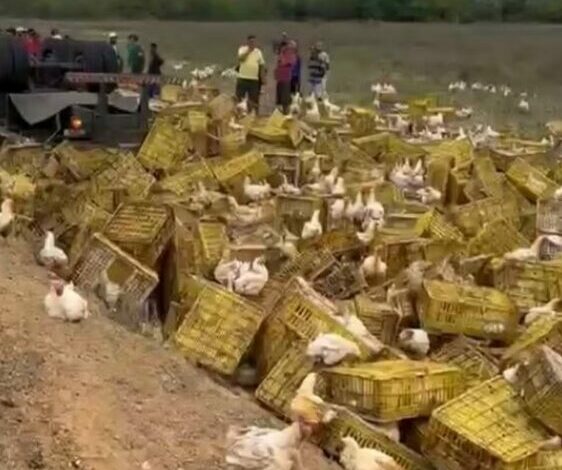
113,41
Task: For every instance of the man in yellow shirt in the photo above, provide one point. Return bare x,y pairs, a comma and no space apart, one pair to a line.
250,74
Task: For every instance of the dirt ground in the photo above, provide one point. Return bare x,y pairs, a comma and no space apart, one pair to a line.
94,396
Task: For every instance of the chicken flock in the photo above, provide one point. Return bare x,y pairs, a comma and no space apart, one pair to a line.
388,199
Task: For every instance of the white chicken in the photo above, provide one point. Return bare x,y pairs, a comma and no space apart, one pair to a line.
429,195
388,89
256,448
242,107
6,217
109,291
332,109
354,324
376,88
244,214
51,255
536,313
296,103
337,210
415,341
524,106
332,177
464,113
256,192
511,374
52,301
315,172
461,135
356,211
491,133
477,86
526,254
74,308
253,281
312,109
368,235
434,120
339,188
287,248
331,349
373,266
288,188
399,177
373,209
312,228
354,457
226,269
308,408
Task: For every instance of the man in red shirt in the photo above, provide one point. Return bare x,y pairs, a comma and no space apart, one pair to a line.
284,74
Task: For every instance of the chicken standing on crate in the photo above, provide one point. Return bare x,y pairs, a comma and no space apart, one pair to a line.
51,255
331,349
256,192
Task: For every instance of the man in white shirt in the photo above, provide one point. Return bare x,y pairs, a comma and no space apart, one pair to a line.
251,74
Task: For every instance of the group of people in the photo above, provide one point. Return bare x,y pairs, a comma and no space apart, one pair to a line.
252,72
136,61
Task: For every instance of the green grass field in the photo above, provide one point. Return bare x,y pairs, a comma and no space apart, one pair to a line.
417,58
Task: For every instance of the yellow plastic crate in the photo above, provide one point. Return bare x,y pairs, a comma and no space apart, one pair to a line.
219,329
439,228
497,238
125,172
348,424
185,180
221,107
342,281
232,172
82,163
529,283
474,311
309,264
211,239
530,181
541,386
281,384
487,426
164,146
100,255
471,217
294,211
380,319
477,365
549,216
490,179
284,162
142,229
339,242
395,389
545,331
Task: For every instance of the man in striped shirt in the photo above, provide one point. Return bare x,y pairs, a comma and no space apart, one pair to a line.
318,67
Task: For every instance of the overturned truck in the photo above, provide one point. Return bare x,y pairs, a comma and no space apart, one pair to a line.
70,91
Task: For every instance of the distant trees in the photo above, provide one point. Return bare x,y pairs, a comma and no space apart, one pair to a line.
237,10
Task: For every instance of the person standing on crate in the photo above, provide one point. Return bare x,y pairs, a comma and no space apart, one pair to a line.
318,67
251,74
286,61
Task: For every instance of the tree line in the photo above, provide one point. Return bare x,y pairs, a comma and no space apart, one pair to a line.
299,10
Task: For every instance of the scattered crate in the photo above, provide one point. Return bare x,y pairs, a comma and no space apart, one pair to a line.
164,146
211,240
533,183
477,365
184,181
393,390
462,309
497,238
219,329
284,162
529,283
379,318
125,172
142,229
280,385
294,211
310,264
488,426
472,216
348,424
83,164
549,216
546,331
540,381
99,255
342,281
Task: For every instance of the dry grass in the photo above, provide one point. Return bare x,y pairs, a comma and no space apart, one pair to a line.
417,58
